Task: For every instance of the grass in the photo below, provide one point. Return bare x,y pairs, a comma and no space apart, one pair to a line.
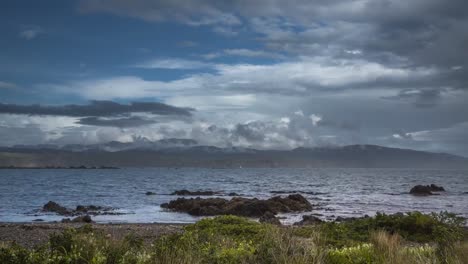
410,238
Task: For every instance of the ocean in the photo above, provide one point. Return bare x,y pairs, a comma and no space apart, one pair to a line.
334,192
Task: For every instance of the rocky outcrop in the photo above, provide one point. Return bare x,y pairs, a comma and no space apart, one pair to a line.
194,193
80,210
269,218
150,193
239,206
309,220
424,190
55,208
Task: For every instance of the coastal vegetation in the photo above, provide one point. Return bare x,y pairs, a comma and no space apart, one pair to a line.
399,238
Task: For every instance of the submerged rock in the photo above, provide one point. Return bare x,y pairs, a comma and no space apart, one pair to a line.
423,190
239,206
194,193
150,193
269,218
309,220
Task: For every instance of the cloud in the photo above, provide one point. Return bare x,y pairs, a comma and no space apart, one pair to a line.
95,109
7,85
450,139
193,13
305,77
30,32
30,134
173,64
243,53
133,121
420,98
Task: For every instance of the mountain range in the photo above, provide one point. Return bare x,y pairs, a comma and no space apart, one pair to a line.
188,153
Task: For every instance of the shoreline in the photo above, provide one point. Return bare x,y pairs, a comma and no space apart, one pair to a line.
29,234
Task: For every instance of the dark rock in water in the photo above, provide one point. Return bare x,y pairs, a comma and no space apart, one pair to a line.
423,190
189,193
56,208
87,208
93,210
80,209
150,193
309,220
38,220
269,218
66,220
233,194
436,188
293,191
239,206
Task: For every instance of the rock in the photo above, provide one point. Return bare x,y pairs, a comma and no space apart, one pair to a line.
309,220
233,194
293,191
150,193
88,208
424,190
269,218
189,193
56,208
82,219
38,220
80,209
239,206
436,188
66,220
344,219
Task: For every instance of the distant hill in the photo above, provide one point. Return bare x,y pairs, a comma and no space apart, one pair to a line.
186,153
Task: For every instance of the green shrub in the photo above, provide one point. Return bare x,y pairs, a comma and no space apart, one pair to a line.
230,239
414,226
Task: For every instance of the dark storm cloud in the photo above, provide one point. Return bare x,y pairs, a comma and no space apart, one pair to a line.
253,131
133,121
96,109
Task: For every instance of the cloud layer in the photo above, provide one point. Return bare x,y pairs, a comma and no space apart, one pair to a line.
263,74
95,108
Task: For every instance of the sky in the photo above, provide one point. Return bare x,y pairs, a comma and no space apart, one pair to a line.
264,74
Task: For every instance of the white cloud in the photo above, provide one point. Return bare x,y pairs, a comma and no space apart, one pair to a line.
30,32
315,119
243,53
173,64
299,78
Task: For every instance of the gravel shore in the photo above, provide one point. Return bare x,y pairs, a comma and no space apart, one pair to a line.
33,234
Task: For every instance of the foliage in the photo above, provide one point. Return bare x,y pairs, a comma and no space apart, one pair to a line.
444,228
230,239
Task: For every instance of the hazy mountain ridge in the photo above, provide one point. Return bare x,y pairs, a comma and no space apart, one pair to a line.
187,153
